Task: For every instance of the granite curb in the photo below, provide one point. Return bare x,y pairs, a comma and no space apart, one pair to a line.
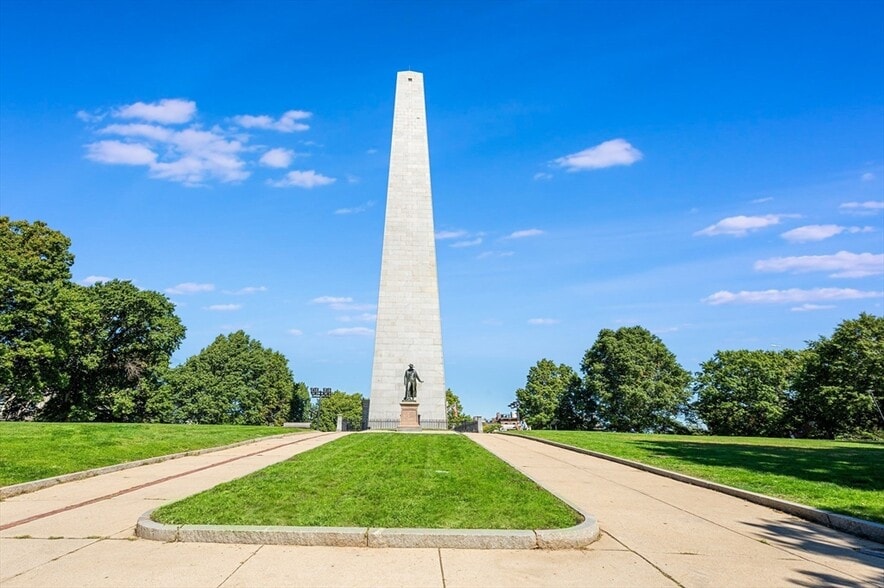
839,522
33,486
576,537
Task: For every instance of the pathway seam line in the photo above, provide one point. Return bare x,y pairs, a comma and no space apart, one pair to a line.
839,522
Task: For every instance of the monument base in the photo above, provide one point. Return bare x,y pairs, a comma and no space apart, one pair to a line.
408,418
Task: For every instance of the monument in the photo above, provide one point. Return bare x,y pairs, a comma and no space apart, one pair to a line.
408,334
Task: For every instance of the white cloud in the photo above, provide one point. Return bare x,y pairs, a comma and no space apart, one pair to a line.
543,176
844,264
287,123
371,151
302,179
494,254
351,331
166,111
224,307
762,200
89,280
792,295
248,290
820,232
89,117
119,153
470,243
524,233
543,321
351,306
140,130
365,317
868,207
190,288
740,226
331,300
356,209
442,235
867,177
607,154
295,332
811,307
278,158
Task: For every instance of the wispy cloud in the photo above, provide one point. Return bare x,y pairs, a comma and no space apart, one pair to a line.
494,254
762,200
277,158
295,332
792,295
289,122
443,235
468,243
343,303
543,176
811,307
351,332
607,154
867,177
524,233
356,209
331,300
543,321
740,226
166,111
820,232
365,317
867,207
119,153
223,307
843,264
247,290
90,280
302,179
190,288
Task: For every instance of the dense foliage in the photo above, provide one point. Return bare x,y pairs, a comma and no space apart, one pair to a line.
235,380
454,410
551,396
101,353
746,392
632,383
338,403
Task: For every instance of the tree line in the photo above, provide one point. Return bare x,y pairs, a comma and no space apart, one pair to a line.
101,352
631,382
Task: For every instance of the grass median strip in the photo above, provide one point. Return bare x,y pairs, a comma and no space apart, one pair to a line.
381,480
32,451
838,476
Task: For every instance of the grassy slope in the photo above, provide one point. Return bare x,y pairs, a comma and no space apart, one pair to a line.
31,451
837,476
381,480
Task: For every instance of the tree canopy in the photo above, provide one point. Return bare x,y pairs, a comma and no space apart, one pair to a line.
840,389
235,380
639,385
746,392
348,405
550,396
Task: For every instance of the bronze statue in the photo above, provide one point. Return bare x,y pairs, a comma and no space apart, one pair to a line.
411,380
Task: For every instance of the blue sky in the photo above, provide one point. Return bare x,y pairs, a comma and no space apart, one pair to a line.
711,171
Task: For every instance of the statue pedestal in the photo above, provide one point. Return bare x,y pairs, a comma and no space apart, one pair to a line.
408,419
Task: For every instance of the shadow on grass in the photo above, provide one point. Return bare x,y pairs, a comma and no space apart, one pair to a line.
852,468
821,541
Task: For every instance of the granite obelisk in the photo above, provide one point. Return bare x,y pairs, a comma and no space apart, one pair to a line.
409,326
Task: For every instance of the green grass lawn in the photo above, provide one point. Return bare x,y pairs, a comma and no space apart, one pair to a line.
838,476
381,480
32,451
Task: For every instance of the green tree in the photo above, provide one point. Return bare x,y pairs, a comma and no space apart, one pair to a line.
235,380
746,392
35,266
299,409
841,388
120,341
550,397
455,413
348,405
638,382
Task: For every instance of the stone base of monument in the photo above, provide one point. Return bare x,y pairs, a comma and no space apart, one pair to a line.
408,419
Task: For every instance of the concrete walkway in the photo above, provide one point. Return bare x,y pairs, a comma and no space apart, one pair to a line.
655,532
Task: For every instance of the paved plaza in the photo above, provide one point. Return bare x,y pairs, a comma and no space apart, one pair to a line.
655,532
